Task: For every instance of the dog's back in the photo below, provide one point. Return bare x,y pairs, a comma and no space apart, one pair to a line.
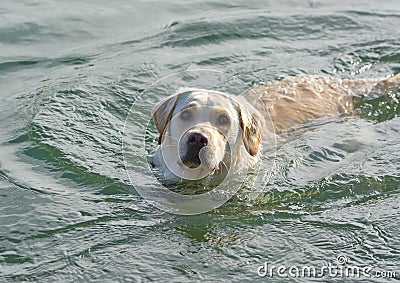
296,100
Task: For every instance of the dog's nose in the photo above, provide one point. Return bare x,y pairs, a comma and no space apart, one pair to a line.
197,140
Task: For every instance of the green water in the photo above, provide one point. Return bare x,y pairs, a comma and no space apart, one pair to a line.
69,73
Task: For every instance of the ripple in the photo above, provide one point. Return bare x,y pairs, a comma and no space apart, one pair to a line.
254,27
67,211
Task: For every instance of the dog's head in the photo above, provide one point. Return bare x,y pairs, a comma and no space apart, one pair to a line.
202,132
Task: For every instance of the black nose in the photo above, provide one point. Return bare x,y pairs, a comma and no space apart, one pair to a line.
197,140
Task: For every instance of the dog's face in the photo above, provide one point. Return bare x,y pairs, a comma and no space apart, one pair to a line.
203,132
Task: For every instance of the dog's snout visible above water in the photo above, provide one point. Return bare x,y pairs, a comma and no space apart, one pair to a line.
197,140
194,143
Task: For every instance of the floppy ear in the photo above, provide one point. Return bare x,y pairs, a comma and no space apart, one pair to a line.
162,113
252,125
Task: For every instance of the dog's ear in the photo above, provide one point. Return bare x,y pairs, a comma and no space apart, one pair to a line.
162,113
252,125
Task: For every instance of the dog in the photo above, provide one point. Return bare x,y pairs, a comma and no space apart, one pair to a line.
207,133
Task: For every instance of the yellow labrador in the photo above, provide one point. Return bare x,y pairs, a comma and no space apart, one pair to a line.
205,132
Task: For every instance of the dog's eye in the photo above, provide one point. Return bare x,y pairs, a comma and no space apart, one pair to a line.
223,120
185,115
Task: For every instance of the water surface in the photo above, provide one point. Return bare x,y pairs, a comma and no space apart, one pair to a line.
69,74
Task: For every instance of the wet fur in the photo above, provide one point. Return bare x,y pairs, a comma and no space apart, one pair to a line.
288,103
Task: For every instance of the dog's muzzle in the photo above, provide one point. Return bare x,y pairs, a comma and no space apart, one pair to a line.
194,142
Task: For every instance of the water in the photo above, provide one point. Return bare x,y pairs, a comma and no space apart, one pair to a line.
69,74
